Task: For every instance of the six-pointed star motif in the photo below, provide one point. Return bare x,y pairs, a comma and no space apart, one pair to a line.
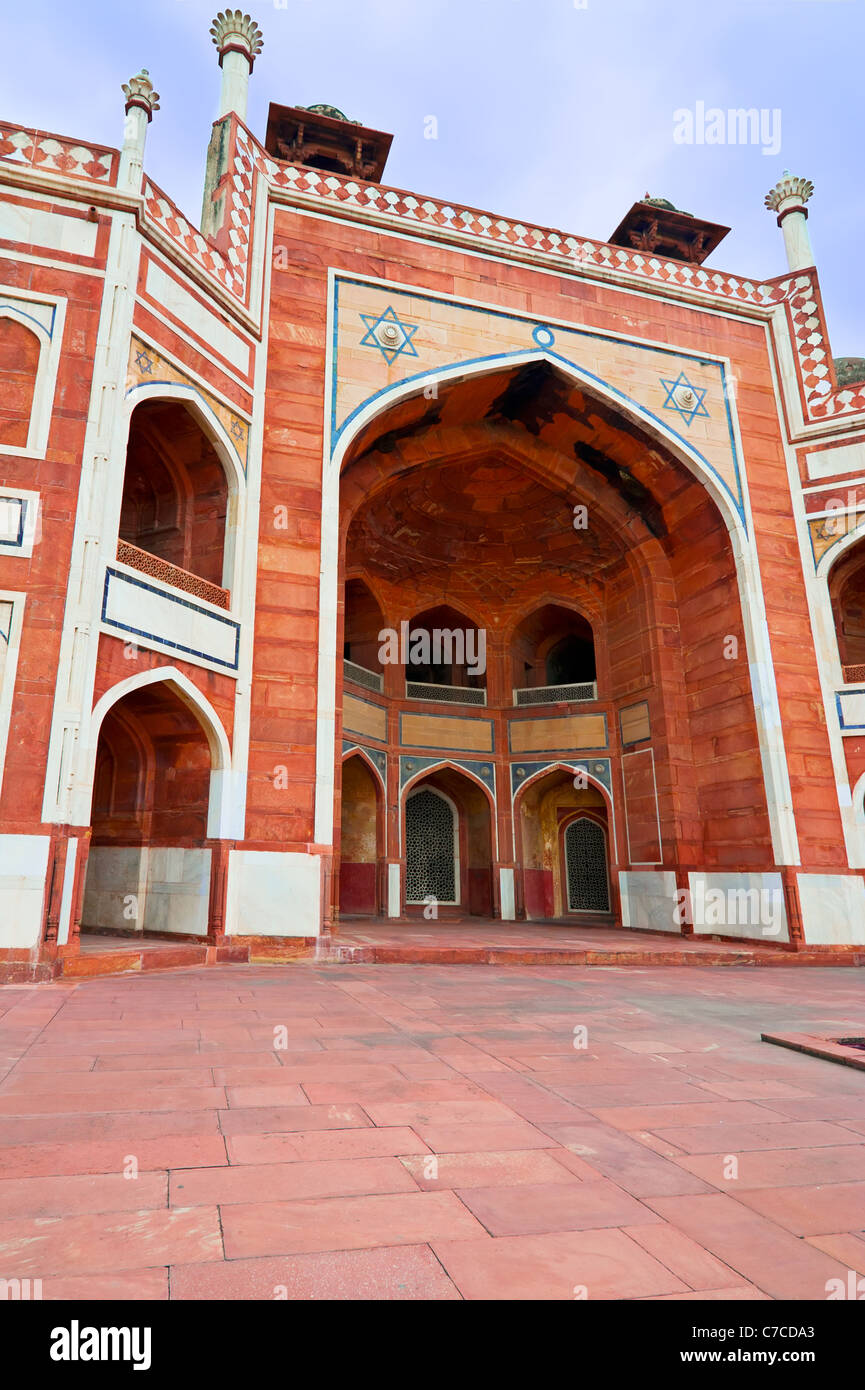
389,334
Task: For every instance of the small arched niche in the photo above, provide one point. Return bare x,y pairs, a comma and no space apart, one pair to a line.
553,656
175,496
446,649
20,350
362,632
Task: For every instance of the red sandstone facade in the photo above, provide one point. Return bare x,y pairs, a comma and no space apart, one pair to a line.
232,459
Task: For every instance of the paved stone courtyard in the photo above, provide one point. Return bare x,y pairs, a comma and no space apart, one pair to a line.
416,1132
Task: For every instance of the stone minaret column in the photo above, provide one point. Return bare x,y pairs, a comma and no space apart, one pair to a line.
788,199
238,41
141,102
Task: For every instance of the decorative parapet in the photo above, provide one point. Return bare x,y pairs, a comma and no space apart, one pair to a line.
822,398
49,153
229,272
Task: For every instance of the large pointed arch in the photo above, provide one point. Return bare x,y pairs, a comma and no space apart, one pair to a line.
735,515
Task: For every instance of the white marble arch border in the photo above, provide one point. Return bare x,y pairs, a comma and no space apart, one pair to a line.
764,688
215,431
219,810
42,406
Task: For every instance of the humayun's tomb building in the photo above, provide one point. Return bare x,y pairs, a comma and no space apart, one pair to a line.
365,556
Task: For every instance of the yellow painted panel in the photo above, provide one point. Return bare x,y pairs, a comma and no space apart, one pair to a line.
427,731
558,735
358,717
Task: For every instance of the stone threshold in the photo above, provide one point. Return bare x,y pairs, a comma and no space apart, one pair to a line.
830,1049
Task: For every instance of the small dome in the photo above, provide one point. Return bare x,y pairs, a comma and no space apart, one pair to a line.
323,110
849,370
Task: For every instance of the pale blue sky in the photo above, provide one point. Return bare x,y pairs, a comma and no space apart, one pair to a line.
555,113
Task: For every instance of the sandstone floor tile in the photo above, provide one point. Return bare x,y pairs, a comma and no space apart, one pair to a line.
125,1126
697,1113
278,1119
511,1168
103,1243
251,1076
684,1257
840,1108
812,1211
80,1194
314,1145
606,1263
442,1112
32,1064
849,1249
775,1261
630,1164
781,1167
537,1208
391,1273
576,1166
291,1181
631,1093
67,1103
125,1286
345,1223
744,1294
240,1097
755,1090
467,1138
104,1083
736,1138
309,1067
111,1156
398,1091
188,1061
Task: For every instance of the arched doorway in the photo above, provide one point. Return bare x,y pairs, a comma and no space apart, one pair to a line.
149,864
448,845
432,848
563,844
361,834
586,875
